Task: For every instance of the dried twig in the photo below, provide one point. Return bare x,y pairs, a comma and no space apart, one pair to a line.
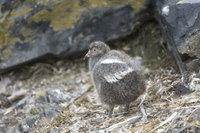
166,121
17,95
144,115
78,97
120,124
183,128
170,124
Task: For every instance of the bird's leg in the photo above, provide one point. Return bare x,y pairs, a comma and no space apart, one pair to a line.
126,107
111,106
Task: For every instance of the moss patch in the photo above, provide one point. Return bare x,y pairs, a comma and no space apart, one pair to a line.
39,95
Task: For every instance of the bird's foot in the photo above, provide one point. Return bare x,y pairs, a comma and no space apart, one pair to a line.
126,108
111,107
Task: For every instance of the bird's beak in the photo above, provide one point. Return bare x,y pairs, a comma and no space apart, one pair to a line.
87,55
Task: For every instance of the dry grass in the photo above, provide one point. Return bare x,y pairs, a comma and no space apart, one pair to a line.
166,111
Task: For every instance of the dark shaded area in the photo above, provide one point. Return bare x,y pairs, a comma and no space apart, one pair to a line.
193,66
181,89
148,43
180,22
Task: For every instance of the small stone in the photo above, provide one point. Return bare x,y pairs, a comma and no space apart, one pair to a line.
56,95
181,89
24,128
30,122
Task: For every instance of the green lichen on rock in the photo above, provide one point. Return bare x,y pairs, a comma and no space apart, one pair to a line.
27,33
7,39
63,14
20,12
25,23
5,35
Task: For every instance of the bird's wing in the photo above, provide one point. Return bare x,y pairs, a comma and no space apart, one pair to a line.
113,70
135,63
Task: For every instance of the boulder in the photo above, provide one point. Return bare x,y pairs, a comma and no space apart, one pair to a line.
33,29
180,22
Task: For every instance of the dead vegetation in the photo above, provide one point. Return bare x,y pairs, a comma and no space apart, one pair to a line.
166,110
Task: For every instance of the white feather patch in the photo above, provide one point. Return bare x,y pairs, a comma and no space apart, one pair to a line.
115,77
111,61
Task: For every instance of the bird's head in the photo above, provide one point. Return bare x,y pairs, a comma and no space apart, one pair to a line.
97,49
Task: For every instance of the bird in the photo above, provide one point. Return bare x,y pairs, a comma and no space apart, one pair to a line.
116,76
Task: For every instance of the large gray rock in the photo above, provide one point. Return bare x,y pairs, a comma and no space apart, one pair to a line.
180,21
30,30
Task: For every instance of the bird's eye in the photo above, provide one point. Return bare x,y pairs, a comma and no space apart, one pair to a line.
94,49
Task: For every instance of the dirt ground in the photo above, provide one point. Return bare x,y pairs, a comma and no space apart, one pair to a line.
58,96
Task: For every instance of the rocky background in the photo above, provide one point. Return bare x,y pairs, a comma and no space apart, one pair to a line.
34,29
45,85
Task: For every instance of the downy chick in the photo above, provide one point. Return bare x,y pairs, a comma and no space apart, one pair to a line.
115,75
